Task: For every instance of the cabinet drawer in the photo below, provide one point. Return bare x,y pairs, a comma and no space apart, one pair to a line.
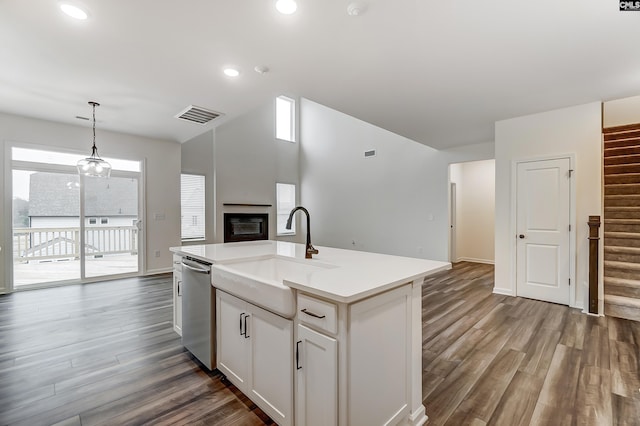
318,313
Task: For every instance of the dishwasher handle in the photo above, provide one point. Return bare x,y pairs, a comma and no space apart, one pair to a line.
196,267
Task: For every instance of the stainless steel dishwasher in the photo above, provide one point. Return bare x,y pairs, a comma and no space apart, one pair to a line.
198,311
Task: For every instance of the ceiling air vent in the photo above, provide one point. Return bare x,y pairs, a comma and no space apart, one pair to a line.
198,115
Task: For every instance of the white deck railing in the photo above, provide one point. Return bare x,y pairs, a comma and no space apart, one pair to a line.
63,243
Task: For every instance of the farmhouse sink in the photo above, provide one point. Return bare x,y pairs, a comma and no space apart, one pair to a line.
260,281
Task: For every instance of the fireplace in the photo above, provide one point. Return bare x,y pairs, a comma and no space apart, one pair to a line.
246,227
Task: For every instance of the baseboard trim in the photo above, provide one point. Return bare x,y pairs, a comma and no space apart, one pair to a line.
503,291
158,271
419,417
475,260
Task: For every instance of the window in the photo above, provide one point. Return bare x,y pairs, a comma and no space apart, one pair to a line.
104,220
285,119
67,159
192,205
285,201
92,221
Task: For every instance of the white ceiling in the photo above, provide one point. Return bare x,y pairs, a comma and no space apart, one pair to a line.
438,72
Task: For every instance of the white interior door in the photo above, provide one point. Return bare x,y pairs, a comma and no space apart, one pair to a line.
543,234
453,256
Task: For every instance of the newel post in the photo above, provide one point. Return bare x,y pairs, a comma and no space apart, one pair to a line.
594,238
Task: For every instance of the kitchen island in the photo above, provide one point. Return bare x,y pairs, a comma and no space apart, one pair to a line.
336,339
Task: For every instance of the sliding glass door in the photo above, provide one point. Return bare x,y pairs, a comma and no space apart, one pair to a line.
70,228
46,227
111,226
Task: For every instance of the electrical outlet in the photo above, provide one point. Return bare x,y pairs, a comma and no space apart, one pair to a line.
157,253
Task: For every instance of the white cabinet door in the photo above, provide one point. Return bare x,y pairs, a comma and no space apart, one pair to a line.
255,353
271,378
233,331
316,378
177,302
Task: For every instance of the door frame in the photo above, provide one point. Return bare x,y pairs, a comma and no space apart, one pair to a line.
453,223
7,251
572,222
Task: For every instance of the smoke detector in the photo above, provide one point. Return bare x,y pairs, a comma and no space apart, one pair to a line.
355,9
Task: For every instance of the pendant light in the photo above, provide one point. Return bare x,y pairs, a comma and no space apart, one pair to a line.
94,165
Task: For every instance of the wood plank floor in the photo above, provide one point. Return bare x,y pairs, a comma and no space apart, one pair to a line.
497,360
106,353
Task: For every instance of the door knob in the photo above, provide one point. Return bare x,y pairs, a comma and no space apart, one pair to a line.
521,236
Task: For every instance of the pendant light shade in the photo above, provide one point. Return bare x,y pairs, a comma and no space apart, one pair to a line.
93,165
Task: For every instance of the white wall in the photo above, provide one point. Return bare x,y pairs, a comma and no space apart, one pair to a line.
622,111
475,212
249,161
575,130
395,202
162,177
197,158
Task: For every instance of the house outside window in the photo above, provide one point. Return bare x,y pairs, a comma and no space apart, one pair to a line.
192,205
285,202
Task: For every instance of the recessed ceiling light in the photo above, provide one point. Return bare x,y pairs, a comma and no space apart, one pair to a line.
73,11
286,7
231,72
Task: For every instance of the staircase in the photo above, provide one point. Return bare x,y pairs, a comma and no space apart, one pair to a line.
622,222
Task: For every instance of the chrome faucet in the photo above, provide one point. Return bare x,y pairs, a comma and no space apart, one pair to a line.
310,249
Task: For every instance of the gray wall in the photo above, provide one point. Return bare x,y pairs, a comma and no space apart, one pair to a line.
396,202
248,162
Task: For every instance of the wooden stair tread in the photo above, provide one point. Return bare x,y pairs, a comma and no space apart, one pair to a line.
627,160
626,235
622,185
622,209
621,151
623,221
621,249
621,281
632,196
623,142
622,300
621,129
629,266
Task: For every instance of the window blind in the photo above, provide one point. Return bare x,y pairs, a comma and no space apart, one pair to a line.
192,205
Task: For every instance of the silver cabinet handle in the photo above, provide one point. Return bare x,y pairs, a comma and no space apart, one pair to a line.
246,334
305,311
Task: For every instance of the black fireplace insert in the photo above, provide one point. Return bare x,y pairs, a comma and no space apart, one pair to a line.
246,227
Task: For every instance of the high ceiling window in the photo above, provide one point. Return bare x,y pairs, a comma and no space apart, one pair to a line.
285,119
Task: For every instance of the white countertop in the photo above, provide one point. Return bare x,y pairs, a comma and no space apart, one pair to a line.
355,275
